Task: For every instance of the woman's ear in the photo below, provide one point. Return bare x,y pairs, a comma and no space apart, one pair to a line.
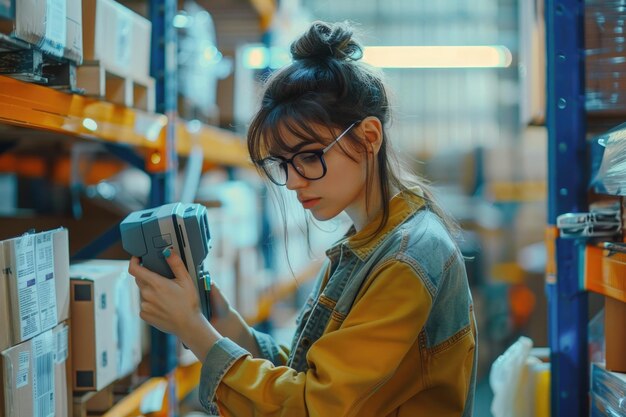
372,130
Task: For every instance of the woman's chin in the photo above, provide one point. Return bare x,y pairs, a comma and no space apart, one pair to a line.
321,215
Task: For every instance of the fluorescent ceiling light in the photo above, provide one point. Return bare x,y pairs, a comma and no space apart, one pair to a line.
437,56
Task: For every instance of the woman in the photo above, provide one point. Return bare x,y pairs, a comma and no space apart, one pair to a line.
388,329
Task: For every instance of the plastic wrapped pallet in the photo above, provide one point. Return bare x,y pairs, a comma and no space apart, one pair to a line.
54,26
610,174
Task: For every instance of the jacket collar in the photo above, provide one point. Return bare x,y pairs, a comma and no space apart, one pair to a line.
401,207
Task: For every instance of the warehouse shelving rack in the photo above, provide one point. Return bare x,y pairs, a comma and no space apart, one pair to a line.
151,142
566,120
573,267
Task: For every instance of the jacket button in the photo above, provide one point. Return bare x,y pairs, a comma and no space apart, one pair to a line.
306,342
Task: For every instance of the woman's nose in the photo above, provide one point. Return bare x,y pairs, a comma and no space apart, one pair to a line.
294,179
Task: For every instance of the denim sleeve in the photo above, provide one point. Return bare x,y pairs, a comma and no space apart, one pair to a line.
270,350
218,361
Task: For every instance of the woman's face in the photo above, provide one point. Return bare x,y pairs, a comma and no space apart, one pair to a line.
343,185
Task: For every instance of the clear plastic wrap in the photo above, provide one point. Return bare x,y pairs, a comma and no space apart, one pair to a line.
610,177
611,388
600,408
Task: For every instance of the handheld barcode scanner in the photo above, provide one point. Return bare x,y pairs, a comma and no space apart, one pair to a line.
184,227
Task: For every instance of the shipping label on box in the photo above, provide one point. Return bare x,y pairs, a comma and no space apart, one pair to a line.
44,258
35,287
25,274
33,376
44,350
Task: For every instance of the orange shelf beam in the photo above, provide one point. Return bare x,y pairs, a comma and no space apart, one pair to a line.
187,378
525,191
218,146
39,107
34,166
130,405
605,272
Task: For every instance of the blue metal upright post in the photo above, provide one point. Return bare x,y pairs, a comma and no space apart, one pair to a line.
566,119
163,65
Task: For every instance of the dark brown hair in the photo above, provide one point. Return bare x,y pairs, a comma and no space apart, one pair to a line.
327,86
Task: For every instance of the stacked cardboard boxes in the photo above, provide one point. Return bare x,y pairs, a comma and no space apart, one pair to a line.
105,306
117,37
41,365
55,26
34,337
117,55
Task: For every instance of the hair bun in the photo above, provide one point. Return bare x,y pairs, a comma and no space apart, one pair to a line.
327,40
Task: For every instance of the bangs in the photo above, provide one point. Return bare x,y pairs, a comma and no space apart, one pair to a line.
278,131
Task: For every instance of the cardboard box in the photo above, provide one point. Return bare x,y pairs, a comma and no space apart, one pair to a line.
117,37
141,41
35,376
55,26
615,334
35,293
105,304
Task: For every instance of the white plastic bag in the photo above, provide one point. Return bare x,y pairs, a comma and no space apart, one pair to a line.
506,379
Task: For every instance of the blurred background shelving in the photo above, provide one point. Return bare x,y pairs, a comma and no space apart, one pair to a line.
585,151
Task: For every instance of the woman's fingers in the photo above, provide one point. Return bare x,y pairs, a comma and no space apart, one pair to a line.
143,276
220,307
166,304
176,264
216,294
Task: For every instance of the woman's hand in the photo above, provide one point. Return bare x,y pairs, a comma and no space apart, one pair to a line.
172,305
220,306
229,323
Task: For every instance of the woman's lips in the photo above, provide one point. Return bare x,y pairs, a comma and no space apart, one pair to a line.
307,204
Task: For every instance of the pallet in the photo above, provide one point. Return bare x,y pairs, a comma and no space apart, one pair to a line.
100,82
23,61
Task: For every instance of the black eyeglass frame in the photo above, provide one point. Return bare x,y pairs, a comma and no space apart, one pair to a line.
318,152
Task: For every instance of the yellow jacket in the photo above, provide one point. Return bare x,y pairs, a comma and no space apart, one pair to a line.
387,331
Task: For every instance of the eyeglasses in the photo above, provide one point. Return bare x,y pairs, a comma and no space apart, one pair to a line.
308,164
